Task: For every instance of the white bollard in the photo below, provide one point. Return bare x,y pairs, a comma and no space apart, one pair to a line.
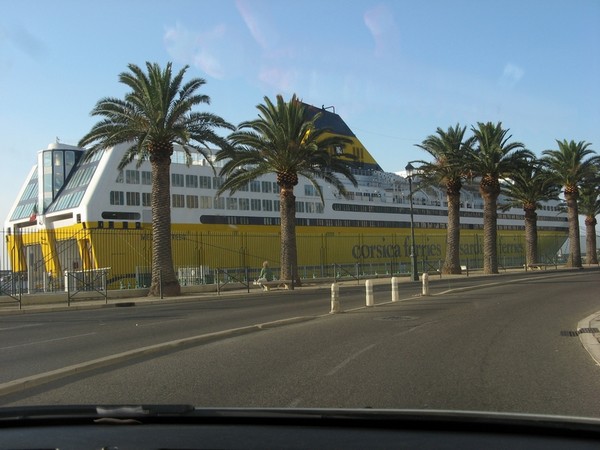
369,292
395,296
335,299
425,279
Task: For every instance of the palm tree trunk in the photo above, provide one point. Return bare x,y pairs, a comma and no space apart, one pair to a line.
531,239
163,273
490,233
288,251
590,240
574,241
452,261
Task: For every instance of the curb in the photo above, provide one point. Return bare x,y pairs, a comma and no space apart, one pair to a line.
589,340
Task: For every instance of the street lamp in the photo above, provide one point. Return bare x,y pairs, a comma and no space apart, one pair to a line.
414,275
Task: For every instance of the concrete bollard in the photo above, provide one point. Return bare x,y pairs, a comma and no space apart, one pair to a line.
335,299
395,296
369,292
425,279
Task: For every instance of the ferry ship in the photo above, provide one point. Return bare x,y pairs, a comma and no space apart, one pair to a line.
74,214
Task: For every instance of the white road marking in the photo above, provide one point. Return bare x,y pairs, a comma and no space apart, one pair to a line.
17,327
349,359
47,340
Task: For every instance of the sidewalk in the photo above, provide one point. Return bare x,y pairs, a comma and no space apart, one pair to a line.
130,297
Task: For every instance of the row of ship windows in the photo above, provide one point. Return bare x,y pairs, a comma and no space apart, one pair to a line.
240,220
346,207
208,202
246,204
144,177
247,220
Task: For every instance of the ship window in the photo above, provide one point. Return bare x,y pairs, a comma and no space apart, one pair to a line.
177,180
217,182
276,205
232,203
191,181
117,198
275,187
300,207
119,177
191,201
69,161
114,215
30,191
204,182
219,203
132,177
206,202
244,204
146,199
267,205
243,188
255,186
178,200
133,198
266,186
146,177
96,156
87,175
255,204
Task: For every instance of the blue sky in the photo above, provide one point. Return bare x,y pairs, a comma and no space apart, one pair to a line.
393,70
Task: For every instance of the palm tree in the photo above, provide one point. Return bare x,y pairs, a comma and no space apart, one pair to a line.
589,206
569,168
493,159
527,187
285,141
448,149
155,115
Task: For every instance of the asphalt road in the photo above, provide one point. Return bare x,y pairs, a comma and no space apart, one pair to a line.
495,348
37,343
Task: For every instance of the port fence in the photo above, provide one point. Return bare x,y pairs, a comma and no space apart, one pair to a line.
43,261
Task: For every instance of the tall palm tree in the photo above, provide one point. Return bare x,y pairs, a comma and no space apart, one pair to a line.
285,141
526,188
589,206
448,149
155,115
569,166
492,159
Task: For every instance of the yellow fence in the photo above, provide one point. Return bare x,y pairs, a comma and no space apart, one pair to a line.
45,255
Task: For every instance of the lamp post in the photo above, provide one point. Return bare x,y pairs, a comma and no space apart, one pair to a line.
414,275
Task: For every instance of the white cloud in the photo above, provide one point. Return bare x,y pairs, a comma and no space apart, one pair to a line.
380,22
511,75
257,23
196,48
280,78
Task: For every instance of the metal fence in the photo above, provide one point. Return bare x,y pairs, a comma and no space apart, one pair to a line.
41,261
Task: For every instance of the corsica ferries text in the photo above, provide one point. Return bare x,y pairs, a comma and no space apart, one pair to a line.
373,251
